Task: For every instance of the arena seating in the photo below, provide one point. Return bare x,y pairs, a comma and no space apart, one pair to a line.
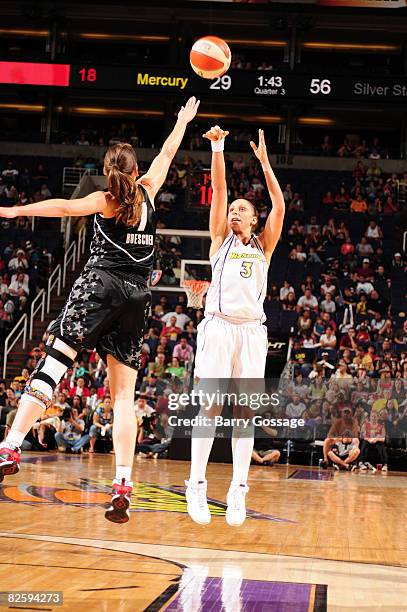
301,271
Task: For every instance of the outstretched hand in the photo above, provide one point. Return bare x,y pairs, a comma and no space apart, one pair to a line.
215,133
188,112
260,150
8,213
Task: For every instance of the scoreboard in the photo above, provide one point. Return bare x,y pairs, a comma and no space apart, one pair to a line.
261,85
198,194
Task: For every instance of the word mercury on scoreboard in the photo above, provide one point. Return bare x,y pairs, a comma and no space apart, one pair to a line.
238,83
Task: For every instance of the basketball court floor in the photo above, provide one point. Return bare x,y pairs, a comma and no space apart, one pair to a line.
314,540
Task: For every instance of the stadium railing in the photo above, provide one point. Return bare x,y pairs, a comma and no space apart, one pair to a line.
71,177
36,305
20,329
57,279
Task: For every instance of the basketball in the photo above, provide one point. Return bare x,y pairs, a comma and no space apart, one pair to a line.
210,57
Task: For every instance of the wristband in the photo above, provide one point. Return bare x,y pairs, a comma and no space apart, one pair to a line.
218,145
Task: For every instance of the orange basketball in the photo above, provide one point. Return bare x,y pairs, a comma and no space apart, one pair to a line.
210,57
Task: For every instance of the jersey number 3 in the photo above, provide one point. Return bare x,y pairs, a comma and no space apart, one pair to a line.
246,270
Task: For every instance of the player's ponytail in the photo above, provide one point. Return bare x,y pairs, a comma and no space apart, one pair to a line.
120,165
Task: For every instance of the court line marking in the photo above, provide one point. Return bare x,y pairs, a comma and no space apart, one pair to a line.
93,543
110,588
93,569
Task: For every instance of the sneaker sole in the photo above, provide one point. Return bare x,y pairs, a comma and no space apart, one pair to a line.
232,524
118,513
8,468
205,522
199,522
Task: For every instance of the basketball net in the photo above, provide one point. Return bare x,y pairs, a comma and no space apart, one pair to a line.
195,290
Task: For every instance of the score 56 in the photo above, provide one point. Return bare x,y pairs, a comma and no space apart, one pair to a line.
88,75
322,86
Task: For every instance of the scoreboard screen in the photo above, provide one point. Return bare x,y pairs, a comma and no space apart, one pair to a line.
260,85
199,190
264,85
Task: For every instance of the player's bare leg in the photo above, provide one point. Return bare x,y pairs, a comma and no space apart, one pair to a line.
36,398
122,385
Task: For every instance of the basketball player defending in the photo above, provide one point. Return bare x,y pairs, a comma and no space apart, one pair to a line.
232,340
108,303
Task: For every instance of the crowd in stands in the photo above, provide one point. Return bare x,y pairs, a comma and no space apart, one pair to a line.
354,146
20,185
24,264
337,287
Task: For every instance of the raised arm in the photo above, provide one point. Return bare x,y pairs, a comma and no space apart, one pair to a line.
219,205
89,205
274,224
155,175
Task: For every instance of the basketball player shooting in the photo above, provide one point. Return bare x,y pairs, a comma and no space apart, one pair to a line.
232,339
108,304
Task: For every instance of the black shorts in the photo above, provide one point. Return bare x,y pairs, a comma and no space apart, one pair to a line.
107,312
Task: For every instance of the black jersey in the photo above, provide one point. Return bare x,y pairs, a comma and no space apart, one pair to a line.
119,248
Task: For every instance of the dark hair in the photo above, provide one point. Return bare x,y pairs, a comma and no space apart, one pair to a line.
119,165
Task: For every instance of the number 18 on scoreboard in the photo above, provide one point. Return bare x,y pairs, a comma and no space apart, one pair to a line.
199,192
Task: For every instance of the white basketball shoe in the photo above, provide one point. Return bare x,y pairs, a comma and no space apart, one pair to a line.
197,504
236,501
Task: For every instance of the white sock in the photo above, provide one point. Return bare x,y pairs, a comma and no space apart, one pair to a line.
14,439
201,445
242,448
122,471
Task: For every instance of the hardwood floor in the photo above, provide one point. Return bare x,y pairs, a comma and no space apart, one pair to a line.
313,539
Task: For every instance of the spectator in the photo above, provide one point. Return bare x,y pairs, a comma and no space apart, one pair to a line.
70,435
345,426
104,390
175,369
171,330
358,205
102,424
342,376
158,366
373,434
181,318
79,389
328,339
263,451
183,351
295,408
373,231
285,290
344,453
49,420
307,301
363,248
348,341
328,305
397,261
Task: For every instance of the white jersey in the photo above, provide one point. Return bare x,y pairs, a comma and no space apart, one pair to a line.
239,281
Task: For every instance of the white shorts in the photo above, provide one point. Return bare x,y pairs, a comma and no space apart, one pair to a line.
230,350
